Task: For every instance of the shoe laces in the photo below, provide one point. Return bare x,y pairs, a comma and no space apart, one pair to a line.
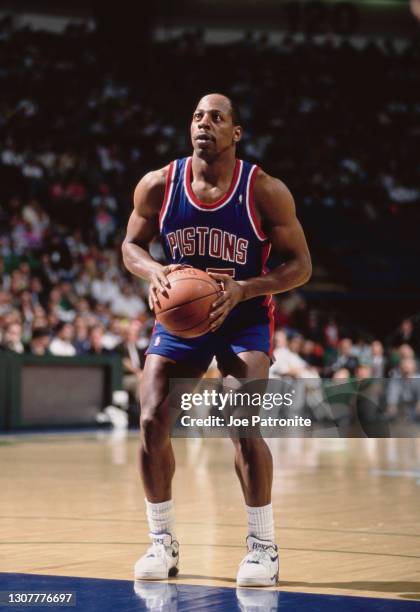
257,556
157,549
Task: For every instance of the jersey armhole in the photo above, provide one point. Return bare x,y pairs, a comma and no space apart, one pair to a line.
168,192
250,204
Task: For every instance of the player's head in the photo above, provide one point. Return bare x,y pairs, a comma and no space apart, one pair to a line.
215,126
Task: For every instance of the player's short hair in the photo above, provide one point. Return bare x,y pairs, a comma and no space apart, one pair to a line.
234,108
234,111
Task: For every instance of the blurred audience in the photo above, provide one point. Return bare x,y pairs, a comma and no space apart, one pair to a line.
69,162
345,358
61,345
403,394
39,344
133,355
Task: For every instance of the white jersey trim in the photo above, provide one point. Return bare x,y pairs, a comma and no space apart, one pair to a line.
209,209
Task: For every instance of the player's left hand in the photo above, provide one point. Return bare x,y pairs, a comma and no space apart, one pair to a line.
232,293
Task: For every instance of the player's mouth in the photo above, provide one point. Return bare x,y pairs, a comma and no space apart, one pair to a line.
204,137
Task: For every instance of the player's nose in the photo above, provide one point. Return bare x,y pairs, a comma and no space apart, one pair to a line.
204,122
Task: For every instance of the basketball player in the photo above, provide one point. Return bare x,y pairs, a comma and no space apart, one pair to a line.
218,213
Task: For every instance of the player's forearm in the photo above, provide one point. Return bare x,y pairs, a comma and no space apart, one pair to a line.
138,261
289,275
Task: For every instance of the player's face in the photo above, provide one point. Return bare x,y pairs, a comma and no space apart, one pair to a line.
212,128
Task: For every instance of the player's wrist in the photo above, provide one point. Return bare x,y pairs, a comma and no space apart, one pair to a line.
154,268
243,286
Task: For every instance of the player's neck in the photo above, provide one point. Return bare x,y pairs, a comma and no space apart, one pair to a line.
214,171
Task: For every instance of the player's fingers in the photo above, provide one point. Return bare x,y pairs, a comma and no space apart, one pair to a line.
167,270
162,283
151,298
220,300
216,324
224,278
154,291
173,267
218,320
216,312
162,280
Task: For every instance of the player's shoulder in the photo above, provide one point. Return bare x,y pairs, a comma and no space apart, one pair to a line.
154,179
268,187
152,186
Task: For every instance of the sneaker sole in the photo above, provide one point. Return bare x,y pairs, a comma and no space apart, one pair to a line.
172,572
250,582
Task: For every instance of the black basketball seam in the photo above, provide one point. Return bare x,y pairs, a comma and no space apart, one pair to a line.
183,303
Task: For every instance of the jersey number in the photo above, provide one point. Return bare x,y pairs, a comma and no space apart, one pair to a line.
228,271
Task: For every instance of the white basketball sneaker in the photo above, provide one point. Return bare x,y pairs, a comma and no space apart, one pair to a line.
161,559
260,567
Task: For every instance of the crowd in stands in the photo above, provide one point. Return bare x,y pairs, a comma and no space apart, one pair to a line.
78,130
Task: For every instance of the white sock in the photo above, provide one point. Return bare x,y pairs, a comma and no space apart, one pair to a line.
261,522
161,517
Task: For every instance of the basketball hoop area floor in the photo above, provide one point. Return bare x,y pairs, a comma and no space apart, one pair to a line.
347,524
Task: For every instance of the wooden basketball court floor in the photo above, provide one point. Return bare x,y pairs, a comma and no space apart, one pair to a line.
347,515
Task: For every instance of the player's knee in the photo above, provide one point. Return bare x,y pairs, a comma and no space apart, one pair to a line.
154,432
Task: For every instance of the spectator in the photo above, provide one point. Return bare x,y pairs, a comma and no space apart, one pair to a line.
12,338
112,335
405,334
341,375
377,359
404,391
312,353
132,358
96,346
39,342
303,380
62,345
105,289
128,304
81,335
345,359
37,218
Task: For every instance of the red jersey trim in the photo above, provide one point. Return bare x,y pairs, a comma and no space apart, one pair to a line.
268,302
168,192
250,204
223,200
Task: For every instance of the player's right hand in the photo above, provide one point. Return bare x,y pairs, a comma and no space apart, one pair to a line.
160,282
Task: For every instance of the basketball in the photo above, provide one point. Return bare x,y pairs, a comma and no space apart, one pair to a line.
185,307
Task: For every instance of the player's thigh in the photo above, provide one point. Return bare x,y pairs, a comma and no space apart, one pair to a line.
248,364
162,383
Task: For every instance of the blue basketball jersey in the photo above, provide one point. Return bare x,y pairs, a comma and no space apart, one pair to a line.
223,236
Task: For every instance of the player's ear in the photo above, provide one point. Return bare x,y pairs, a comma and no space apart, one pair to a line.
237,133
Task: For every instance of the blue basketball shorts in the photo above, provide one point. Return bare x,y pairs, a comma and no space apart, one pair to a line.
234,336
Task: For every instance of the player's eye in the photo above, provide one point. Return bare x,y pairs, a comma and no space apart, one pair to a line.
197,116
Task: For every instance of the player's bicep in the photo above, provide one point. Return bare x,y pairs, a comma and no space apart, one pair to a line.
280,222
140,229
288,239
143,225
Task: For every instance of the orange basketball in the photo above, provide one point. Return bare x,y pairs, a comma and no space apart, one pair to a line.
185,309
